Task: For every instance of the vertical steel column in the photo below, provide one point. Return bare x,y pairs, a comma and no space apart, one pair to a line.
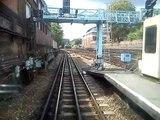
99,58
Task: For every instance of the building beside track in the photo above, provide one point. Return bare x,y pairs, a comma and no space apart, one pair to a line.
21,32
89,42
89,39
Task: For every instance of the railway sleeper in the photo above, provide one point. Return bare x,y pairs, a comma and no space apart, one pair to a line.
83,95
79,84
67,108
67,85
84,101
80,88
67,101
67,116
67,88
107,113
89,115
73,116
81,91
67,91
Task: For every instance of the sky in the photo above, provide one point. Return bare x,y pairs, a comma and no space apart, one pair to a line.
78,30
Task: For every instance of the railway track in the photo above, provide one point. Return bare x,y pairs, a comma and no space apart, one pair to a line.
70,97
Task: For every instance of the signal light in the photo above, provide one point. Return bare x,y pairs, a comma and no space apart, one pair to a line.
66,6
149,7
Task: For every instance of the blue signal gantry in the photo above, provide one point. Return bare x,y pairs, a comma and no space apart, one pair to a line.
92,16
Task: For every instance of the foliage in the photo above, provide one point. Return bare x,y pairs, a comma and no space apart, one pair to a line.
120,31
137,34
76,41
122,5
57,32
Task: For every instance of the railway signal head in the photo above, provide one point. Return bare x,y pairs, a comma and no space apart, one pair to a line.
150,4
149,7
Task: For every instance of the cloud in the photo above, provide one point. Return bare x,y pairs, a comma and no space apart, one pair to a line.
75,30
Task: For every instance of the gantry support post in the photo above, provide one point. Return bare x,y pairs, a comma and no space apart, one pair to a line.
99,57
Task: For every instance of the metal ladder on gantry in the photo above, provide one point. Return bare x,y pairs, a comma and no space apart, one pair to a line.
92,16
107,39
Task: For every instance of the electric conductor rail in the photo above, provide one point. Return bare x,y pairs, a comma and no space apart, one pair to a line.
70,97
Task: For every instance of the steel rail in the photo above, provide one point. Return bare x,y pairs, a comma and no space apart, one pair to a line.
46,107
59,91
100,114
75,92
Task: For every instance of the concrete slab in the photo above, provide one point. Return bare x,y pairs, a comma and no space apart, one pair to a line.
143,91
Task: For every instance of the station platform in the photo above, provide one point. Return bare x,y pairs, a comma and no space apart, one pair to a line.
142,90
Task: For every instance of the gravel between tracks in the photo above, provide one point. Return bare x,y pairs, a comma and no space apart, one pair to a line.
116,108
27,104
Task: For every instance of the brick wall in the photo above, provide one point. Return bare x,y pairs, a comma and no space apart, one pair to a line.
135,44
43,38
12,4
87,42
11,47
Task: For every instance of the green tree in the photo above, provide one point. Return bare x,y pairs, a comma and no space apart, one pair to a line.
120,31
57,32
76,41
137,34
122,5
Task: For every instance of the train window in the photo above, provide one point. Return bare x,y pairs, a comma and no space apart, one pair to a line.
150,39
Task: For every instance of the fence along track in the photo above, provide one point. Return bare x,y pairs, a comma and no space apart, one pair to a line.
71,98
